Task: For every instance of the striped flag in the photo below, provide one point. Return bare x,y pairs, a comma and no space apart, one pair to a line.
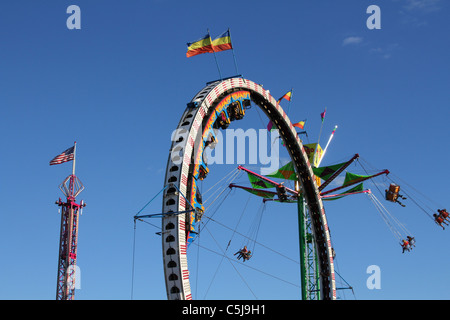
67,155
222,42
287,96
203,45
300,124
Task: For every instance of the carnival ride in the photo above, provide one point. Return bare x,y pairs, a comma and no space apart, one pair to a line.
214,107
68,238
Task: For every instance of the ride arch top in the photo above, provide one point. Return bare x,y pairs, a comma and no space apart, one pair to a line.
181,203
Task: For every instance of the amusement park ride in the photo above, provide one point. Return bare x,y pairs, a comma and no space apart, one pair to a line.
70,212
214,107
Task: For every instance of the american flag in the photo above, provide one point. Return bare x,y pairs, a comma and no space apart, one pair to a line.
64,157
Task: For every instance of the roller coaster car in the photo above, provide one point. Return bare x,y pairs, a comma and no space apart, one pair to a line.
222,121
199,213
236,111
246,103
198,197
203,171
211,142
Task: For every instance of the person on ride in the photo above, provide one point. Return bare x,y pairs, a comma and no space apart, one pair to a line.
411,241
405,246
444,214
439,220
392,195
247,255
242,252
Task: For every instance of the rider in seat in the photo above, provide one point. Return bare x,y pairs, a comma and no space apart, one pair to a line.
439,220
444,214
393,194
242,252
405,245
411,241
247,256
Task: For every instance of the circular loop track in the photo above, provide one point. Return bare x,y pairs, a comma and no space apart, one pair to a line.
185,166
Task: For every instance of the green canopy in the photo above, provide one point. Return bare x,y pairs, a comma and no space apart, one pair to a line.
356,188
351,178
326,172
258,183
261,193
288,171
285,172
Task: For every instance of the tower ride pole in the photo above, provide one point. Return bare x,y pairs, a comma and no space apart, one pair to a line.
68,239
309,266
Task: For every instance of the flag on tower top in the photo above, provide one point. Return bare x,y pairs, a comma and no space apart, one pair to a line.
67,155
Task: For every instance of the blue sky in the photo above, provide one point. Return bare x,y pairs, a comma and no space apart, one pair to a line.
118,87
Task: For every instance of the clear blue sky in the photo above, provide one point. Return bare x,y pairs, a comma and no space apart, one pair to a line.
120,84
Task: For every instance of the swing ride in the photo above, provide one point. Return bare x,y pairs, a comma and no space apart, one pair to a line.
215,107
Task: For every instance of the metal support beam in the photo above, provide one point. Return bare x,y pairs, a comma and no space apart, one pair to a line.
68,239
302,243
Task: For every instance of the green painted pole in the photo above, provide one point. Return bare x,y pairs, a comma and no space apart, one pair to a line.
302,242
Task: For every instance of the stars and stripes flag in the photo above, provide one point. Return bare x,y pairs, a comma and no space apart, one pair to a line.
67,155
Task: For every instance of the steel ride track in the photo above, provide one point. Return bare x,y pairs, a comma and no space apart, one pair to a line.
182,170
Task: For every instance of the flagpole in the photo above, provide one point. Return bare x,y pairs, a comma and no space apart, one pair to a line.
215,58
74,157
232,50
326,147
318,140
289,107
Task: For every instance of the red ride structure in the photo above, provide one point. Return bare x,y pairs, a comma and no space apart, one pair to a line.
70,212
